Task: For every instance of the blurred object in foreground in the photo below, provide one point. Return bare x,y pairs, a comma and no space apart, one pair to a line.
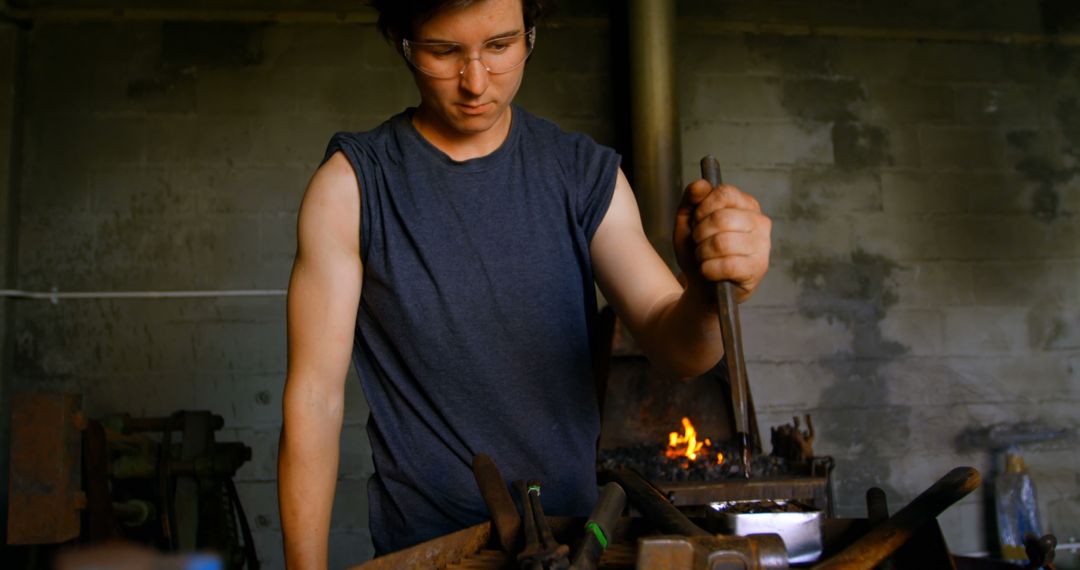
130,556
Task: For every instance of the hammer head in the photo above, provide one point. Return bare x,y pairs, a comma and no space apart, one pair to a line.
753,552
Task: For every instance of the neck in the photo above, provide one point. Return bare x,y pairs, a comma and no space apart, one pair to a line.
461,146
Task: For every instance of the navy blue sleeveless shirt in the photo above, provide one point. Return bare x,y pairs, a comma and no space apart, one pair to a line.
473,329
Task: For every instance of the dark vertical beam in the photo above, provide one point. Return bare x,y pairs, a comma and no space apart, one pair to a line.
656,156
11,74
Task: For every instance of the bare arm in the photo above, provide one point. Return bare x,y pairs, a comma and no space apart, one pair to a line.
324,292
719,234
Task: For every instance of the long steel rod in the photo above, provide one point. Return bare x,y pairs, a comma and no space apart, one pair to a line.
731,330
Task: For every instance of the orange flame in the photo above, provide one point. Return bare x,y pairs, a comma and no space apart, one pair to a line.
719,458
685,445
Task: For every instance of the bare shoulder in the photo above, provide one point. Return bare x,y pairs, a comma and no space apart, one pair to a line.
333,185
331,205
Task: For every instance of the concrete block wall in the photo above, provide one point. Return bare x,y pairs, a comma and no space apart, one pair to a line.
924,194
924,277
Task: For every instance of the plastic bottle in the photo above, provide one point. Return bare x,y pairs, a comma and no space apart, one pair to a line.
1017,509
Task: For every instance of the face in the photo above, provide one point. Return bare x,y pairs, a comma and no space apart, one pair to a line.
475,102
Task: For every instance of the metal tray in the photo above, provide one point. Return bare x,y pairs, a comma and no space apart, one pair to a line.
801,531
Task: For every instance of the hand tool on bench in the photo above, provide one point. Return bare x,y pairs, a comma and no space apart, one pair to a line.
1040,550
541,551
600,528
885,538
531,557
754,552
653,505
695,547
557,555
877,512
504,515
732,333
877,505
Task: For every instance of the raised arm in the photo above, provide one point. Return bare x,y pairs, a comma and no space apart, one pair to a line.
719,234
324,293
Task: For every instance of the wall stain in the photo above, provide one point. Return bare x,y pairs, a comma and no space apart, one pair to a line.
817,193
856,144
821,99
803,208
1052,327
1045,166
856,291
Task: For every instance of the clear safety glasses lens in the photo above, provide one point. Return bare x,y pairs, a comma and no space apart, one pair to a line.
445,60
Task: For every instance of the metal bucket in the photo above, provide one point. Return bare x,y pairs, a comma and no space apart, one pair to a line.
801,531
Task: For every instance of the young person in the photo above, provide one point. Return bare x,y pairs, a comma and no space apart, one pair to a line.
452,252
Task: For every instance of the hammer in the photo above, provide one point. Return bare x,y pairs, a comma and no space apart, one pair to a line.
504,515
694,548
731,330
754,552
600,528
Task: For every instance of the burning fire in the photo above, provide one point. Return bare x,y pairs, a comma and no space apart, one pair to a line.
686,444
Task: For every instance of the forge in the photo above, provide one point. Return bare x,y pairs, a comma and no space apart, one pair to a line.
680,435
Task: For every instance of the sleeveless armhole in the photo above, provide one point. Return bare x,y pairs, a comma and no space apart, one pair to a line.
597,167
358,160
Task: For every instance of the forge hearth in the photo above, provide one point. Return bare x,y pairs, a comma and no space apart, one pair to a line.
652,463
680,435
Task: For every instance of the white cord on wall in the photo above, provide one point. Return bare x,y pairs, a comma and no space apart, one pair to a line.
55,295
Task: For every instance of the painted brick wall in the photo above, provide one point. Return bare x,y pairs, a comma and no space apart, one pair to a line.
925,269
924,194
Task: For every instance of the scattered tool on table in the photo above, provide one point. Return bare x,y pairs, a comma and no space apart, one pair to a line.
600,528
756,552
886,537
493,488
541,552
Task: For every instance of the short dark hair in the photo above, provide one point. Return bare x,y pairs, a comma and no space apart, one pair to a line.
398,18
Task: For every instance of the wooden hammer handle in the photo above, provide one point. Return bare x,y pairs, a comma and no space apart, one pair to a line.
885,538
